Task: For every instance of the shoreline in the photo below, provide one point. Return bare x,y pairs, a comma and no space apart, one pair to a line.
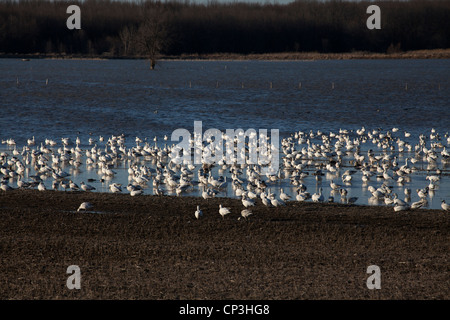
282,56
153,248
235,201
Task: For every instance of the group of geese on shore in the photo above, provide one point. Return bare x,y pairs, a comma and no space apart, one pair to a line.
302,154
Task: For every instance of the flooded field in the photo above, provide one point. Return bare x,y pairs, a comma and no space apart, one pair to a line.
395,111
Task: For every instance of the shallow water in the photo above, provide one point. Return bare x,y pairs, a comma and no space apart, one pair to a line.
82,98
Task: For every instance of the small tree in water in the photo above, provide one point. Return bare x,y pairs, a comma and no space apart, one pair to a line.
153,35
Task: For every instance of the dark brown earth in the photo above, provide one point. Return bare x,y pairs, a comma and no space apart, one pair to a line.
153,248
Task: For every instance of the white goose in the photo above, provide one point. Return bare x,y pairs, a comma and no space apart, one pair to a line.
86,187
5,186
376,193
31,142
334,186
206,195
445,206
346,178
41,186
418,204
422,193
73,186
388,200
223,211
277,202
198,213
136,192
317,197
302,196
266,201
407,192
284,196
401,207
431,186
246,213
85,206
398,201
247,202
115,188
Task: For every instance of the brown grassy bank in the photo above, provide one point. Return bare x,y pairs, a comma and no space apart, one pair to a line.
418,54
151,247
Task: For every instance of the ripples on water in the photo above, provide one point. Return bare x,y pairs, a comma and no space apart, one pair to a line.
92,98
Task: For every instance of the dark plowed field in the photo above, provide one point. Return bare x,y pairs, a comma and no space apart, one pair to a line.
149,247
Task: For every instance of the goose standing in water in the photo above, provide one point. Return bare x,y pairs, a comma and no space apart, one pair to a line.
284,196
86,187
346,178
334,186
407,192
418,204
422,193
398,201
317,197
5,186
41,187
432,178
136,192
301,196
31,142
73,186
65,184
431,186
388,200
351,200
22,184
115,188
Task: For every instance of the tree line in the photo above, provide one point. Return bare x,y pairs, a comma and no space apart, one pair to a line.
135,28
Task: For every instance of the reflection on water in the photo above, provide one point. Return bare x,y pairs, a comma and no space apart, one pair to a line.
52,99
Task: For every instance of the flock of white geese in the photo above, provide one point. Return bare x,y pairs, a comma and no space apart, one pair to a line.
333,158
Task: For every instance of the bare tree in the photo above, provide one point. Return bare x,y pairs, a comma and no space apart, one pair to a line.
153,34
127,36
